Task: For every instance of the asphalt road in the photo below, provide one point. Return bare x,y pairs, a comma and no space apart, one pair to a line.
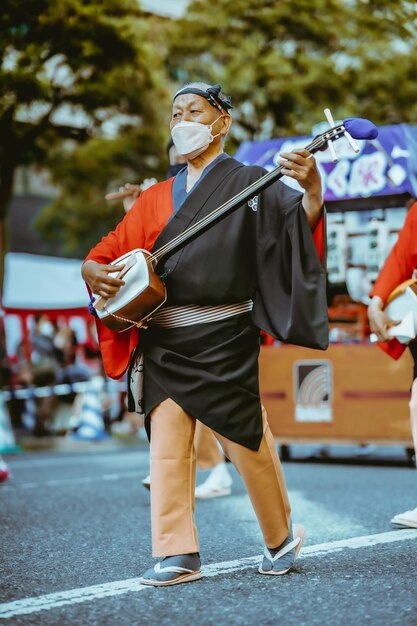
75,536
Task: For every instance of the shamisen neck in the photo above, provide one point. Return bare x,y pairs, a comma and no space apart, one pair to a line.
318,143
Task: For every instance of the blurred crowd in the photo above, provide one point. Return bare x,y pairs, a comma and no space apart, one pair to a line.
53,356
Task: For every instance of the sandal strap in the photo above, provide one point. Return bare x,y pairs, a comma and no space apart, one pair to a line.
283,550
172,569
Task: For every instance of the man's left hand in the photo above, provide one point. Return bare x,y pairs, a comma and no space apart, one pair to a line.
301,165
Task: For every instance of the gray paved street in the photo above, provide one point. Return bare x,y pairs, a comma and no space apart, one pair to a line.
75,521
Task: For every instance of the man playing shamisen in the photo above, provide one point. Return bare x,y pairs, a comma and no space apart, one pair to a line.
259,268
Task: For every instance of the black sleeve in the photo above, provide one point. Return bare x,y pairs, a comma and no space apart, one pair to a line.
290,302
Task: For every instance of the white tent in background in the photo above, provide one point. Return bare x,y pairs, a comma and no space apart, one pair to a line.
40,283
34,284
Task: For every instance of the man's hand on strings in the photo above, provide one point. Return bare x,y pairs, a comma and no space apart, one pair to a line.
301,165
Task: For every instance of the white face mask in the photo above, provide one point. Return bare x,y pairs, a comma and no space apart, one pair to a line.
192,138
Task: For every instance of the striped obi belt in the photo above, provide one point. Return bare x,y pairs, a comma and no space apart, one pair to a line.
176,316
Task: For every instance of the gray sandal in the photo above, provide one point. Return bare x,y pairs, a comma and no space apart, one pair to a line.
282,561
173,570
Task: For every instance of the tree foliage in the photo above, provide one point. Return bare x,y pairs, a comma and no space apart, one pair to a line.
285,61
85,85
80,215
73,72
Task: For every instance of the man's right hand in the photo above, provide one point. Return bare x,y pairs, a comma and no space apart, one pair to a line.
97,276
379,321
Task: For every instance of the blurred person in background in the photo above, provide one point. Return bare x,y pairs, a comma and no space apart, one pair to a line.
42,371
176,161
71,368
176,164
54,360
42,340
399,266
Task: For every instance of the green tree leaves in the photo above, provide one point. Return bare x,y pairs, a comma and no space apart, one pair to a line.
86,74
284,62
85,86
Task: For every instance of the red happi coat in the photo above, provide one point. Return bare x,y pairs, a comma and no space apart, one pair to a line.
139,229
398,267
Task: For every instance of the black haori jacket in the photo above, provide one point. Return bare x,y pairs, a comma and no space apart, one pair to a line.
264,251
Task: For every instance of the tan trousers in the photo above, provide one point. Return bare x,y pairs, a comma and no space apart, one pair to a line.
173,468
207,450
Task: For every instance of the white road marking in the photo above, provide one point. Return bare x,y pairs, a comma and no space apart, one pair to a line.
27,606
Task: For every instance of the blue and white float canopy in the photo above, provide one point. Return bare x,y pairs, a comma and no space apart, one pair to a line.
386,166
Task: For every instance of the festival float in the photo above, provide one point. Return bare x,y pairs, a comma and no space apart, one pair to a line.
351,393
